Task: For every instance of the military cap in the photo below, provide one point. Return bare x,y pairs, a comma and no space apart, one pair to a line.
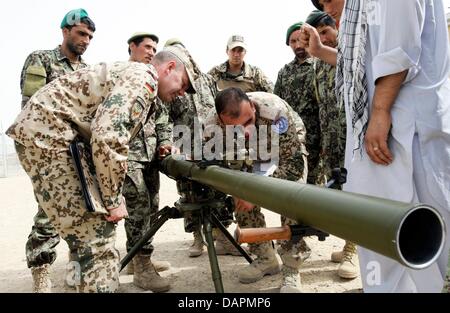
177,42
173,41
317,4
236,41
73,17
183,55
292,29
314,17
143,34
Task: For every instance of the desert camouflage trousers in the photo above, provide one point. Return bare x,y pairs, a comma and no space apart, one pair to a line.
291,253
141,192
42,241
89,236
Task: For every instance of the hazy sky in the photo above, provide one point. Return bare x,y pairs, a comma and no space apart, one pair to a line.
204,26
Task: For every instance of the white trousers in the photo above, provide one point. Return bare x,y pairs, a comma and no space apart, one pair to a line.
382,274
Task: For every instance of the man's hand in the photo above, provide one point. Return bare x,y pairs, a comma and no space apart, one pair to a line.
376,138
164,151
242,205
116,214
310,40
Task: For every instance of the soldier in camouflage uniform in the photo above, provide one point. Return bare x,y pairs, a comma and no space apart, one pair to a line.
332,127
264,110
141,188
191,111
104,106
236,73
40,68
294,86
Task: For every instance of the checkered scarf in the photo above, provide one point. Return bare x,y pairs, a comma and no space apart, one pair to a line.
351,67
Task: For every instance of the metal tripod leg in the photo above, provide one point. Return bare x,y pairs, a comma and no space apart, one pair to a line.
227,234
162,217
213,262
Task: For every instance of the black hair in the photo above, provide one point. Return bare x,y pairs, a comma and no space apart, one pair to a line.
137,41
228,101
324,21
85,20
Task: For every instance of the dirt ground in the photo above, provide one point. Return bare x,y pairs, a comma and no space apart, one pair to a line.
171,243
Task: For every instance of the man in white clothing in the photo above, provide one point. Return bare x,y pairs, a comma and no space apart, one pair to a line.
393,80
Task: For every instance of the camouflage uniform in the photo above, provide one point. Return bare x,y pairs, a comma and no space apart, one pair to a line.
294,86
103,105
292,165
40,68
141,189
332,120
191,110
250,79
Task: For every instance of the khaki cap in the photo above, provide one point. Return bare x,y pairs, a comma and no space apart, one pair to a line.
236,41
143,34
183,55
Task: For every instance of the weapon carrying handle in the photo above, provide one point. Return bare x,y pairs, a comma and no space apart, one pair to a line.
251,235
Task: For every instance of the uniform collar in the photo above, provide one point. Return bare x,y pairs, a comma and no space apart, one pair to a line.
245,70
60,55
307,60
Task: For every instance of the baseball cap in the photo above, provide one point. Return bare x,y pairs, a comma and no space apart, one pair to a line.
183,55
236,41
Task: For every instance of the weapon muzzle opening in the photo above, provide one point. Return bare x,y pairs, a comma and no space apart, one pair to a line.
420,237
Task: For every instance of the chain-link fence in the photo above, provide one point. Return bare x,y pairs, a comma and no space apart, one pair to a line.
9,164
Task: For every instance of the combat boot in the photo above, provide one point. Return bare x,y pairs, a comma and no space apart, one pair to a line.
160,266
225,247
291,282
266,263
145,275
349,265
71,275
305,250
41,279
198,246
337,256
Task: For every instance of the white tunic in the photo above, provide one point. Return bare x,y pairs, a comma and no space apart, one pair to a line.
407,35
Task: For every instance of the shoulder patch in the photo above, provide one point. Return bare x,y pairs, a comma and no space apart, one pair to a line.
137,109
36,70
149,89
35,79
151,85
280,125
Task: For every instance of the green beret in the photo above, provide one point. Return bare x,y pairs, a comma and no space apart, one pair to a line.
143,34
317,4
314,17
73,17
292,29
